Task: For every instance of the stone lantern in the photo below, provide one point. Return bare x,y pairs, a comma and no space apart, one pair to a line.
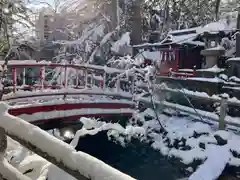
212,50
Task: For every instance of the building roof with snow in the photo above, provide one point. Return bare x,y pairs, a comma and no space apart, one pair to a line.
192,36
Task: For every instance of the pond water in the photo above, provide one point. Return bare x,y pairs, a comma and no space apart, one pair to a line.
137,159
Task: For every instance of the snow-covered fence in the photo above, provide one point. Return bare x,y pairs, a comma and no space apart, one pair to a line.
78,164
222,117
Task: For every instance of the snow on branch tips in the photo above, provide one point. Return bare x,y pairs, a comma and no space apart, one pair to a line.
78,164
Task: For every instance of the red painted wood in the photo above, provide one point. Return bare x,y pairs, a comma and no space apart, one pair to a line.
64,107
77,117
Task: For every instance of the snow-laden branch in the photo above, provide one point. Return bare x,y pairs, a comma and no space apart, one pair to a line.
78,164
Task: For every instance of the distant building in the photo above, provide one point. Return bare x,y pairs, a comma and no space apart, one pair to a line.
51,26
42,23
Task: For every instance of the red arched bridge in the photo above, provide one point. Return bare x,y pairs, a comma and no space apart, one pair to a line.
47,94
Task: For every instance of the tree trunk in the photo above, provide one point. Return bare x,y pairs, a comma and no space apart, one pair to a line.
238,36
136,22
114,14
217,9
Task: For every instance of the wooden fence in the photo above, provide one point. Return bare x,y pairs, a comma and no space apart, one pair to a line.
222,117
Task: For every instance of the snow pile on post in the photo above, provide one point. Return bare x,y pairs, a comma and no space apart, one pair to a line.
214,165
78,164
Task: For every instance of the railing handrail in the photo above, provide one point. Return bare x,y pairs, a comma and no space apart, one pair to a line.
84,74
49,64
66,93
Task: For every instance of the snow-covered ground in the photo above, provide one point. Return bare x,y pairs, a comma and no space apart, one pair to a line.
186,140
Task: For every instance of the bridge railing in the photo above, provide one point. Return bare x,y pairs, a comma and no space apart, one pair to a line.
78,164
57,76
63,94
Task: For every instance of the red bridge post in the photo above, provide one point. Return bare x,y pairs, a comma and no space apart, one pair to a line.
86,78
14,75
42,76
103,81
24,76
65,77
92,80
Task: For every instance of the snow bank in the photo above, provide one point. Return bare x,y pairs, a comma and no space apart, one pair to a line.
85,164
92,127
34,166
213,167
215,157
200,140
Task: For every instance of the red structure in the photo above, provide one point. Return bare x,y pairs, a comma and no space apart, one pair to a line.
50,108
180,50
70,113
87,72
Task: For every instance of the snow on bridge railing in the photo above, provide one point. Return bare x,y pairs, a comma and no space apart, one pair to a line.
78,164
63,93
64,75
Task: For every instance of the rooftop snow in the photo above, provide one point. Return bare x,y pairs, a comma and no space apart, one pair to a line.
184,31
188,35
215,27
180,39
